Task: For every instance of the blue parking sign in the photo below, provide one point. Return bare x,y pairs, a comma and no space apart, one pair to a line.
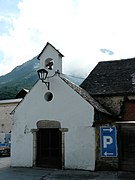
108,141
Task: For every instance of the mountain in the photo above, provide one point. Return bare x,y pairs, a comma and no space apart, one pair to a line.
24,76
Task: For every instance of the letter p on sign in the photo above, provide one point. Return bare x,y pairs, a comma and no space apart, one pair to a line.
107,140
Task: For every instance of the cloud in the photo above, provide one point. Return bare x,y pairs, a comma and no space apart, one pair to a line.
78,28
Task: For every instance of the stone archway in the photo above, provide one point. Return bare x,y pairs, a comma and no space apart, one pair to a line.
49,144
48,124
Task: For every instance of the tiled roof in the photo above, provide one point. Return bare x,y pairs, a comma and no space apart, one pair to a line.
111,77
22,93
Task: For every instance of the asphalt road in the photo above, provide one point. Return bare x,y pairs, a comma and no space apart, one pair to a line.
8,173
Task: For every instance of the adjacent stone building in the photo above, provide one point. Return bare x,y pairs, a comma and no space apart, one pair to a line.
112,84
6,107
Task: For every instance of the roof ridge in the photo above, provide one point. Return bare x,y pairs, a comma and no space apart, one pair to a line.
117,60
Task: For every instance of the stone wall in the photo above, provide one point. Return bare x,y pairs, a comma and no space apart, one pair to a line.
5,117
111,103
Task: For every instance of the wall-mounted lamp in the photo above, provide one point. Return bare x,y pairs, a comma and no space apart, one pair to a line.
42,74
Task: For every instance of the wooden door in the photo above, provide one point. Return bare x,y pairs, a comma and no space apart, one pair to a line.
126,146
49,151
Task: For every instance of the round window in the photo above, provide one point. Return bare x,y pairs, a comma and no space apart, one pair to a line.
48,96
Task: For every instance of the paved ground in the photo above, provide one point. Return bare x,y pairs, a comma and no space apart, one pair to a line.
8,173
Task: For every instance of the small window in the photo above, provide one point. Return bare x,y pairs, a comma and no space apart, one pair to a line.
48,96
49,63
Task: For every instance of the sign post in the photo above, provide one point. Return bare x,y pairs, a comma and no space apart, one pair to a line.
108,141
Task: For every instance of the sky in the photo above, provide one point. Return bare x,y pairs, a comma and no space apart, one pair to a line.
84,31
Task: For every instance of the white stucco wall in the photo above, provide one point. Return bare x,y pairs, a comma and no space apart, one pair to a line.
67,107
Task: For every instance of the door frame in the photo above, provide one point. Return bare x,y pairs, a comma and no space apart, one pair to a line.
49,124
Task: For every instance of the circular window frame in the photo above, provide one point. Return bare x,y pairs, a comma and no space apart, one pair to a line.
48,96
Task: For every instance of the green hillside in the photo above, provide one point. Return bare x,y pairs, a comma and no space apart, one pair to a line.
23,76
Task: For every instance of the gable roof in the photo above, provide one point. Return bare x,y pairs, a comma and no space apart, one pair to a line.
111,77
85,95
38,57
